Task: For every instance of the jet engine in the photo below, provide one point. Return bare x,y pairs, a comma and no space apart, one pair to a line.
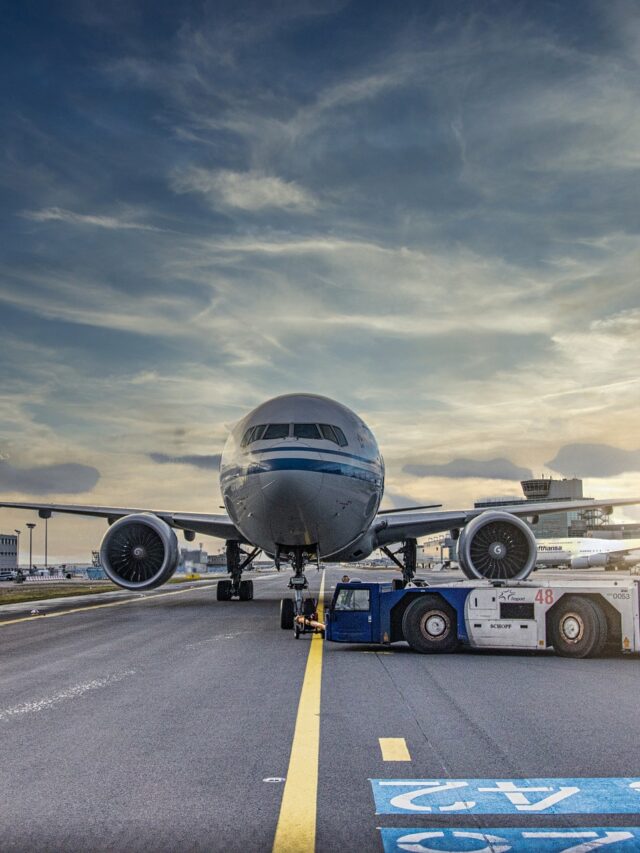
590,561
139,551
497,546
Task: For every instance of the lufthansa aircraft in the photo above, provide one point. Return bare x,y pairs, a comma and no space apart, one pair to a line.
302,478
585,552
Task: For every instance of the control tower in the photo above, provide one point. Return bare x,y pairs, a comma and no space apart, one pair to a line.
548,489
555,525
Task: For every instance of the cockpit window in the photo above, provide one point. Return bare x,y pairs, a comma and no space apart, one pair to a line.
328,433
276,431
342,441
254,433
306,431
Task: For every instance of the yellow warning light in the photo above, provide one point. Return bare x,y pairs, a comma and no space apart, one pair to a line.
541,642
385,637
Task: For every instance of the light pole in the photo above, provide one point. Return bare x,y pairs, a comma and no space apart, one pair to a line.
18,549
30,525
46,514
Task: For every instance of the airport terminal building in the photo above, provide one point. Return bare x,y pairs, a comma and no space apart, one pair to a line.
555,525
8,551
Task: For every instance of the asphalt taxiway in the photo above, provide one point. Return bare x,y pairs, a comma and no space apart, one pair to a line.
175,722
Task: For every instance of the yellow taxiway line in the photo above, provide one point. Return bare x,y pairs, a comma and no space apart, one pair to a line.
296,830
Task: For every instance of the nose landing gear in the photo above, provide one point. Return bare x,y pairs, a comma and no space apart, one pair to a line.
294,613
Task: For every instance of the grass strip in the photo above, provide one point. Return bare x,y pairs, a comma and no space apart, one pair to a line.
41,590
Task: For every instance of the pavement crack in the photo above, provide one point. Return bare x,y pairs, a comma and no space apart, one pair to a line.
416,718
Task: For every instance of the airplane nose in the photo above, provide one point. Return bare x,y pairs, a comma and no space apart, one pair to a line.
293,481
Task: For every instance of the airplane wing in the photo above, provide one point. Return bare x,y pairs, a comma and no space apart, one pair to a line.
621,550
210,525
413,525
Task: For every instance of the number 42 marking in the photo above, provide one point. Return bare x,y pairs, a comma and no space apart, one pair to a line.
544,596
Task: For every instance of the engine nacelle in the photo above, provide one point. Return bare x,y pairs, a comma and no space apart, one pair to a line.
497,546
590,561
139,551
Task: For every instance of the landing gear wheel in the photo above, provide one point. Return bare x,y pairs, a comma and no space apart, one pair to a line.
578,628
246,590
309,607
429,625
397,583
287,613
223,592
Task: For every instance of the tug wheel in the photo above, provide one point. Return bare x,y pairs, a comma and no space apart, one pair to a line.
429,625
578,628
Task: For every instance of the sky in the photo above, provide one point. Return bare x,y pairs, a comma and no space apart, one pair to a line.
425,210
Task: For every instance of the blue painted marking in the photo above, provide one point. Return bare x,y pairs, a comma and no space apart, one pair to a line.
507,796
318,465
526,840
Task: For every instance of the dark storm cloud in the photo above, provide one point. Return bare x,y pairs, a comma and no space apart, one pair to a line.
490,469
594,460
66,478
210,463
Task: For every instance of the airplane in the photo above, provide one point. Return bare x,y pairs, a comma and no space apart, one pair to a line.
586,552
302,479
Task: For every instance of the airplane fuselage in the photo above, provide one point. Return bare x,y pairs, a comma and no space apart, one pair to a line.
302,471
559,552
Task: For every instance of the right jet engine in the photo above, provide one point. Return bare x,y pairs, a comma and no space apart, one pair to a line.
497,546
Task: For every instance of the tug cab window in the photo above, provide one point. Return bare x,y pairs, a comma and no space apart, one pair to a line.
306,431
352,599
276,431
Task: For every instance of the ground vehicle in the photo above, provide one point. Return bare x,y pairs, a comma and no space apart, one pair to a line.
578,618
7,575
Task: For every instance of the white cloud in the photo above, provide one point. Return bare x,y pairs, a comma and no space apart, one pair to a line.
244,190
59,214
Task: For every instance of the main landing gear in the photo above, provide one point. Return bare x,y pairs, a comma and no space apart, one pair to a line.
406,563
291,608
235,587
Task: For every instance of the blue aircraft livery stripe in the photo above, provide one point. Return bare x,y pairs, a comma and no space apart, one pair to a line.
555,839
319,450
322,466
507,796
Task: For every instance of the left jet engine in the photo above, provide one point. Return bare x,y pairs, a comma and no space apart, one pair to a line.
139,551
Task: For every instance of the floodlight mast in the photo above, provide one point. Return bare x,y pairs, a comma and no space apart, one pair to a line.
30,525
